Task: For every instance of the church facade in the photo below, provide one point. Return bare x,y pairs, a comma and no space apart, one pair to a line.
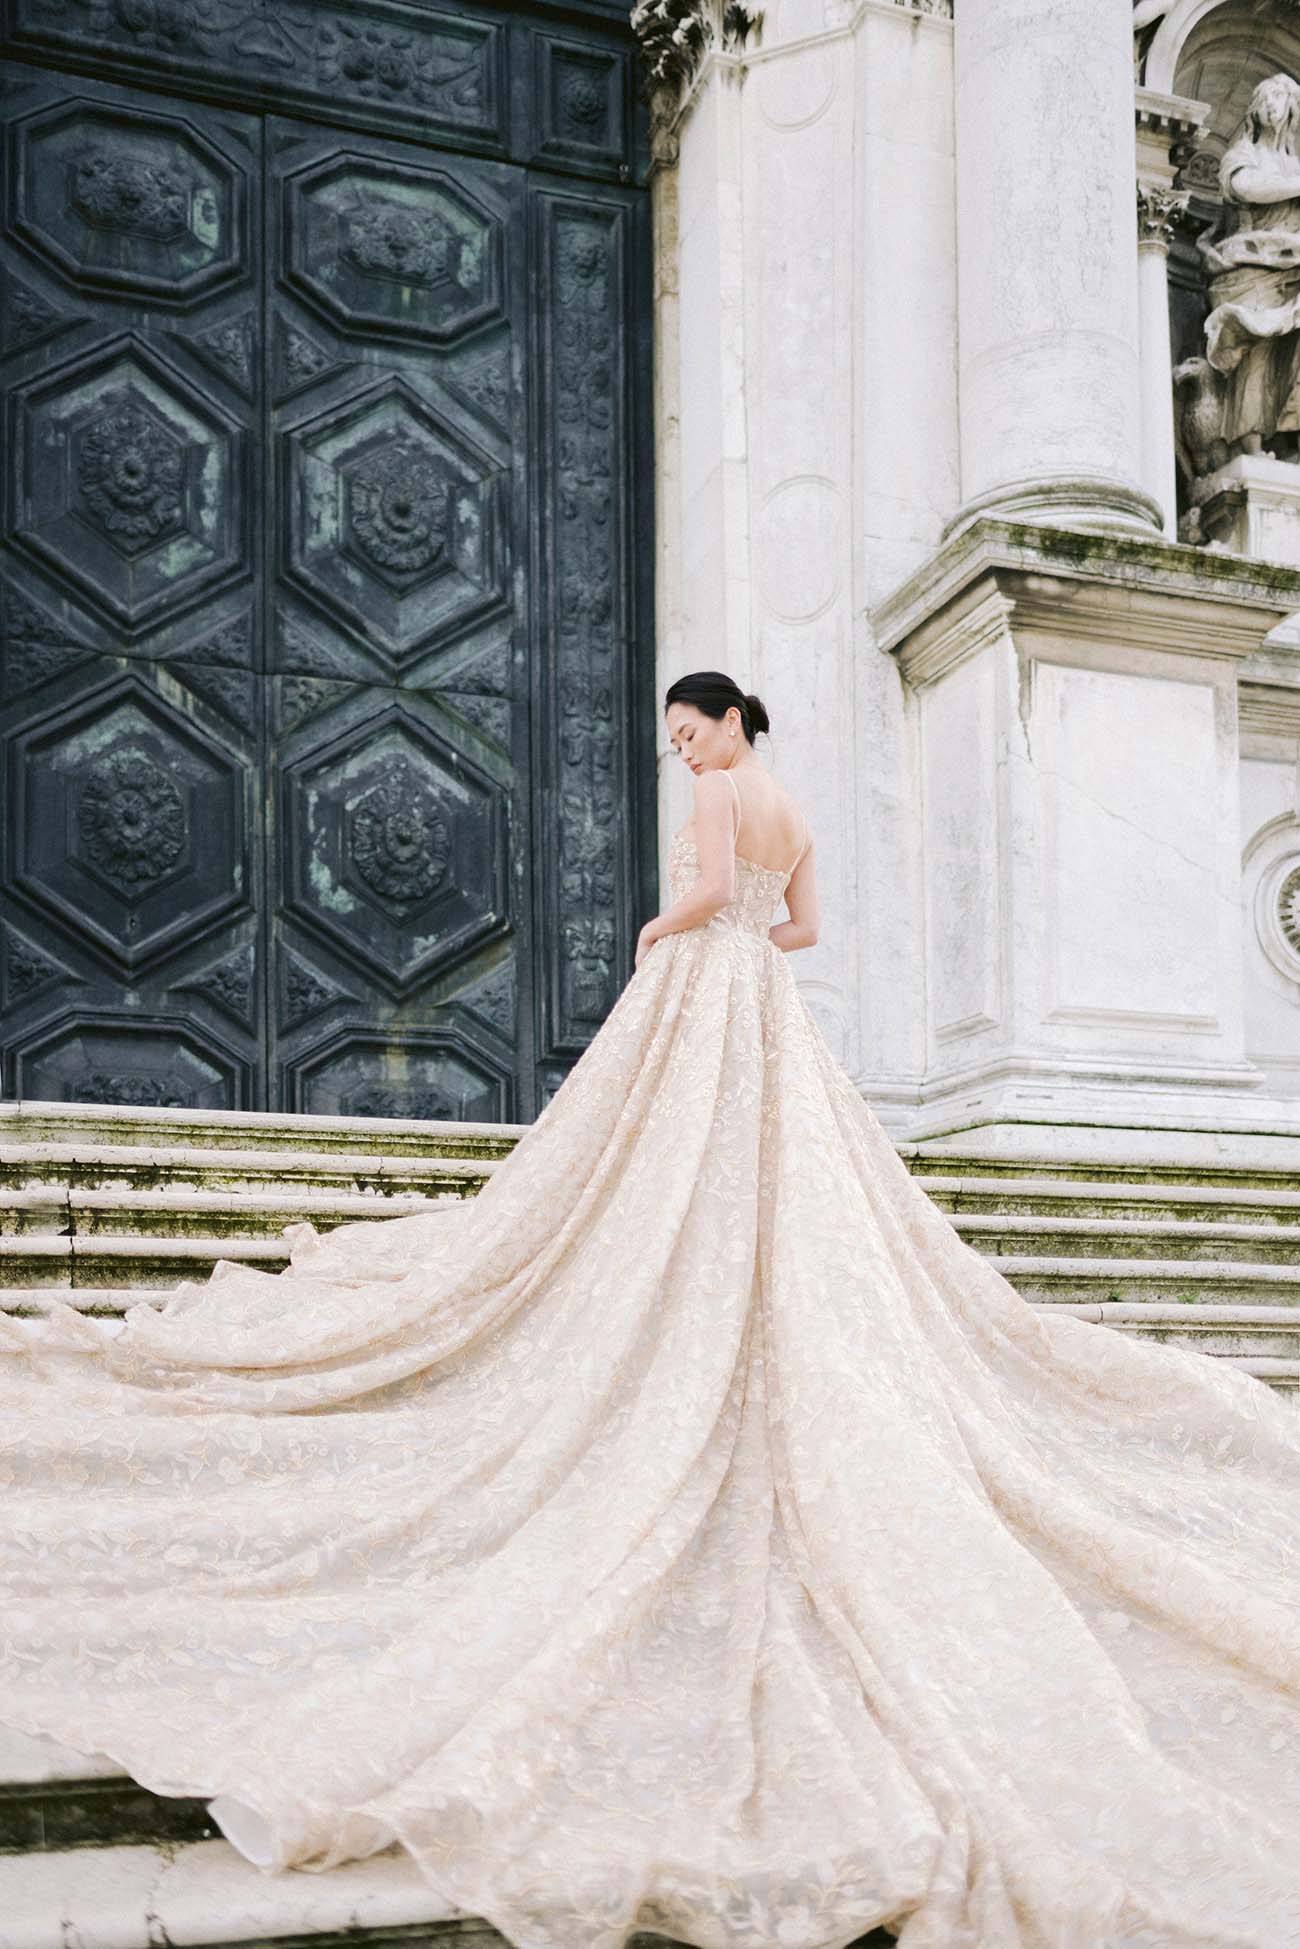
977,356
399,396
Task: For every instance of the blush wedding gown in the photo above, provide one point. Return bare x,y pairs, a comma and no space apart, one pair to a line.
689,1533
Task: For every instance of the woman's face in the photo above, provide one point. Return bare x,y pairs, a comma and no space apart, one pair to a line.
706,743
1273,100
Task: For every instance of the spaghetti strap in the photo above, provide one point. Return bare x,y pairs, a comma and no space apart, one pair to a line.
740,809
807,841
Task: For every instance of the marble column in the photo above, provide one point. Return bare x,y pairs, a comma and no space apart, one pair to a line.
1047,265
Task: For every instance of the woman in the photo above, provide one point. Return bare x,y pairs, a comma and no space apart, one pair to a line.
688,1534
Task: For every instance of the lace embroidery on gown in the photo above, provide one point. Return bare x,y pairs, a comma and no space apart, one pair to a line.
689,1533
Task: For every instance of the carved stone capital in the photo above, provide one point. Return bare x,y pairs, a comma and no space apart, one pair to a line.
675,36
1160,211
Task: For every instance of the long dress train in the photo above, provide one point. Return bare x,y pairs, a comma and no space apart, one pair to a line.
689,1533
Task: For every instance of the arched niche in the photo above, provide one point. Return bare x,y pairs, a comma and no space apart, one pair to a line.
1190,30
1228,48
1215,52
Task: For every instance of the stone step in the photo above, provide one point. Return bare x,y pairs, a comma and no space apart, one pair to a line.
1283,1376
1004,1235
206,1214
89,1124
1246,1168
1127,1159
39,1263
1243,1333
1051,1197
270,1173
205,1894
223,1214
1196,1282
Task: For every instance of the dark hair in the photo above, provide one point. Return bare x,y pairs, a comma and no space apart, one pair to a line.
714,694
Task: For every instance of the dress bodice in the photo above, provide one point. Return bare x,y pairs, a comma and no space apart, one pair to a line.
758,888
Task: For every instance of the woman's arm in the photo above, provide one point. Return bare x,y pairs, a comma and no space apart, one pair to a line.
716,849
801,905
1261,177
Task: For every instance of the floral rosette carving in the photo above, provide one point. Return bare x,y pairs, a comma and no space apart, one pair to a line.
384,66
131,819
136,1092
131,472
387,1100
131,194
584,100
400,843
409,246
397,508
169,25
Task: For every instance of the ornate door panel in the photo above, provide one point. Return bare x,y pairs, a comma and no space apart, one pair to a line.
398,623
131,265
322,578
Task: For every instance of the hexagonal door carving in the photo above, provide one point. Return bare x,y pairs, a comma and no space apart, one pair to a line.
395,850
130,823
89,1059
433,1076
129,202
393,522
387,247
126,483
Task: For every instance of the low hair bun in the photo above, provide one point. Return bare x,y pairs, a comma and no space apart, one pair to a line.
715,693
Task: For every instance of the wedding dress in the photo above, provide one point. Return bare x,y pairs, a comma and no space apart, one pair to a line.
689,1533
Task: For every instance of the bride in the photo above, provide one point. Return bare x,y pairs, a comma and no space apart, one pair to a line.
689,1533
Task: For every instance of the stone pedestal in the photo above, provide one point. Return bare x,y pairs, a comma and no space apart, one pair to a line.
1252,506
1047,264
1077,730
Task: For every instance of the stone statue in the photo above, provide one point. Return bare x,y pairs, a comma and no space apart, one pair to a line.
1252,336
1198,419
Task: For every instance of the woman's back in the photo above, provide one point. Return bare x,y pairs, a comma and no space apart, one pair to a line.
772,830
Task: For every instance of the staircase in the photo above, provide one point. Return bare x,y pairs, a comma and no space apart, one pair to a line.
1201,1248
1203,1252
1199,1245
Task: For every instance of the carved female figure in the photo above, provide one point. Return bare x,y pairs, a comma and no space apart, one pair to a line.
1253,333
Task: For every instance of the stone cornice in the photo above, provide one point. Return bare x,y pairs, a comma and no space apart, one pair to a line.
1270,710
1162,595
1177,117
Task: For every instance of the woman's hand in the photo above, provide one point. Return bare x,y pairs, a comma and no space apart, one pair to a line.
645,940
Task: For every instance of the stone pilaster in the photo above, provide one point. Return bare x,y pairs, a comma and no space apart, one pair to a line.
1158,212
